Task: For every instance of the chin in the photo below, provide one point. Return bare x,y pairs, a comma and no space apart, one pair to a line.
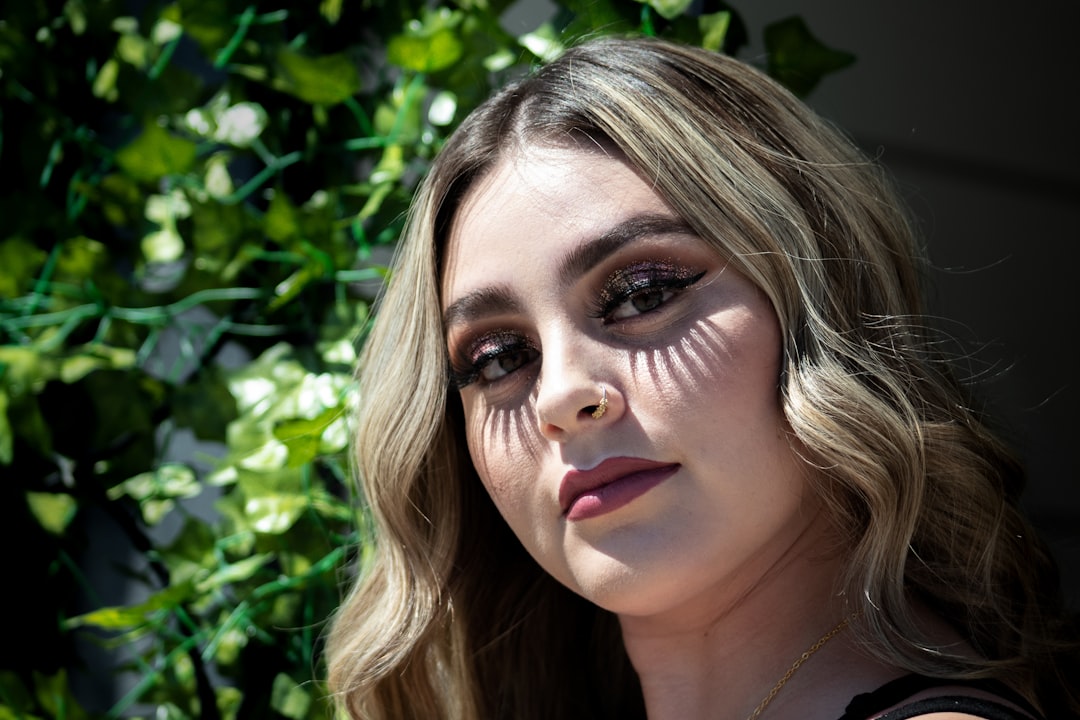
628,590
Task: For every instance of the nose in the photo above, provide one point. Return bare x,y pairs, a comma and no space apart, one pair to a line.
576,390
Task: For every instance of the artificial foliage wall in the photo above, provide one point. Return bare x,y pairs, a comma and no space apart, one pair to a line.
196,200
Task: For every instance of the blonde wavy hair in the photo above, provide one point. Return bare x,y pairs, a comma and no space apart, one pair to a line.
450,618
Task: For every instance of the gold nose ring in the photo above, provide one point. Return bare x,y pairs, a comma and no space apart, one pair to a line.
601,407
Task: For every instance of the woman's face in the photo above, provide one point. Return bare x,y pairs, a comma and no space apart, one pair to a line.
566,276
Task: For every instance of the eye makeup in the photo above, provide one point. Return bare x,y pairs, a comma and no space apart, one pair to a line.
641,287
489,357
630,291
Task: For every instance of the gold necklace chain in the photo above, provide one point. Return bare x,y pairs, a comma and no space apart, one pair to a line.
796,665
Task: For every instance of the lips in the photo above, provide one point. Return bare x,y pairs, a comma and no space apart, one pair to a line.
610,485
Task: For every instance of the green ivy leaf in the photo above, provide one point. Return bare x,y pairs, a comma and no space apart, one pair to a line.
430,43
325,80
87,358
280,222
425,53
105,83
192,552
162,246
229,699
668,9
19,262
289,698
156,491
16,698
80,259
218,230
586,16
121,200
265,502
274,514
26,368
797,58
391,166
53,511
133,616
714,29
171,480
55,697
544,43
156,153
110,618
263,456
331,10
228,647
289,288
75,13
73,369
133,49
240,124
303,438
210,22
397,124
234,572
273,388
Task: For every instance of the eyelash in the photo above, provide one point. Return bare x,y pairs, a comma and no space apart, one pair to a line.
483,351
637,280
622,286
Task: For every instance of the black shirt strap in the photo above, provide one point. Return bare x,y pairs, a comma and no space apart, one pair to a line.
867,705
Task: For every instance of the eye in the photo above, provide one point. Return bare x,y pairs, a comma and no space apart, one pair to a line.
492,357
641,302
505,363
641,288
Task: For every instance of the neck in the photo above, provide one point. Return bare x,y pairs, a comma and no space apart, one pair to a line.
719,655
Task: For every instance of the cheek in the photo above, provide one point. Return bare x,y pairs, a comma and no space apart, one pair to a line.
489,456
503,445
496,475
478,450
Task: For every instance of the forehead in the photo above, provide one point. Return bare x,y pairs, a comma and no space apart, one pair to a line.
567,184
537,202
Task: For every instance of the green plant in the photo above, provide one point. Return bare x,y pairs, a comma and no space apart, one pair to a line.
201,181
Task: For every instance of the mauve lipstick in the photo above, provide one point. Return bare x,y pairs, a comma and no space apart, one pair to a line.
613,483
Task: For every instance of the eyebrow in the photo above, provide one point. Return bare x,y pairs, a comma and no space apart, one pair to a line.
479,303
500,298
591,253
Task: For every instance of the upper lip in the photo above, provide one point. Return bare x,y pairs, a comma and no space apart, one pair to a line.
578,482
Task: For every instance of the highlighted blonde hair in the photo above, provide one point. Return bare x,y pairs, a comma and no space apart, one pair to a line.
450,618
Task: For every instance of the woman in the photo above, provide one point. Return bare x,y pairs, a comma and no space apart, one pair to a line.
652,426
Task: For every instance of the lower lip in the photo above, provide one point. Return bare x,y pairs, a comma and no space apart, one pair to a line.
614,495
